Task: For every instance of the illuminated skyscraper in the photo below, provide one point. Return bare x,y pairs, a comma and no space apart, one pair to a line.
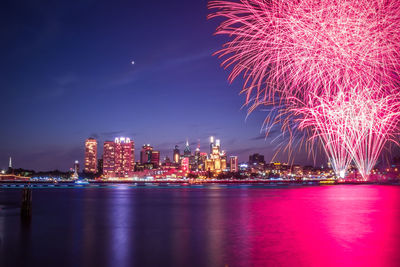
119,157
217,159
234,164
197,159
223,160
202,161
177,155
187,152
124,157
145,154
211,144
218,143
90,155
155,158
109,159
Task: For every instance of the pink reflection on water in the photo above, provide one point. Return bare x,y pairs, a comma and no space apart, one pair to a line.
331,226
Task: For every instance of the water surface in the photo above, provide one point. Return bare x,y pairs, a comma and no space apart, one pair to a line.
212,225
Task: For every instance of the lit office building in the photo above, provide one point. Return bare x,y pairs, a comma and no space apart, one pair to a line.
119,158
217,159
187,152
211,144
176,155
155,158
202,161
145,154
124,157
197,159
234,164
108,159
90,155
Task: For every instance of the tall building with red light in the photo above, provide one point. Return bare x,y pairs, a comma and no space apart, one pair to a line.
119,158
234,164
90,155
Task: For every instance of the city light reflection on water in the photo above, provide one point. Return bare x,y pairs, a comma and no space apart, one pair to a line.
339,225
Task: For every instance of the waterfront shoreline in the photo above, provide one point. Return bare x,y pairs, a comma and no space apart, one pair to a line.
187,183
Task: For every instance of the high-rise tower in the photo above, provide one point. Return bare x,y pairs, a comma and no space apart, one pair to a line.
211,144
145,154
124,157
217,159
90,155
119,157
108,159
187,152
234,164
176,155
155,158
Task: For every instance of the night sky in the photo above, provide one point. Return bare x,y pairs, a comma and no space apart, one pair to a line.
66,75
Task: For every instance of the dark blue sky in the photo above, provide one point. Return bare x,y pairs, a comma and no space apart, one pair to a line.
66,74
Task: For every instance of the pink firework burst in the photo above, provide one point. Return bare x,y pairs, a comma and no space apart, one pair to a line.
297,47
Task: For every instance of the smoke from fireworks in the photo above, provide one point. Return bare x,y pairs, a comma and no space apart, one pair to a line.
319,51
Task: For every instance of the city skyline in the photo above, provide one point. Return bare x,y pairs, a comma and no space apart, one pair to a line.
216,159
166,149
62,83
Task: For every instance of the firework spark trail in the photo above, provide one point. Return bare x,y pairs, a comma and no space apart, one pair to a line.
326,127
354,123
315,51
289,46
